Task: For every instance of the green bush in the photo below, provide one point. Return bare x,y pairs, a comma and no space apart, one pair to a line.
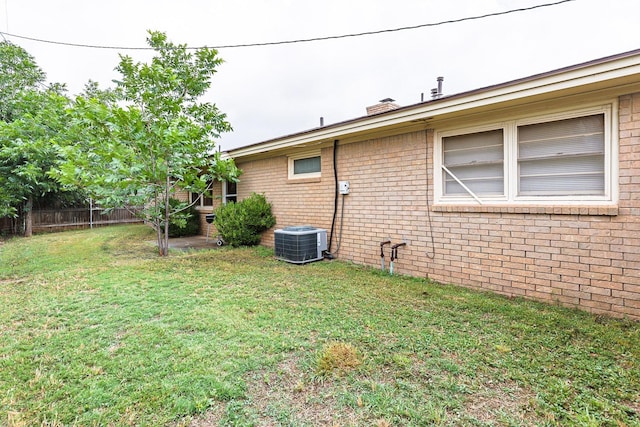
241,223
184,223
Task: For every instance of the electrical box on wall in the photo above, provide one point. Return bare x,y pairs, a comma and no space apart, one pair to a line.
344,187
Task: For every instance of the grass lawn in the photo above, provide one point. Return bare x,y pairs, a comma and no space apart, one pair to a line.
95,329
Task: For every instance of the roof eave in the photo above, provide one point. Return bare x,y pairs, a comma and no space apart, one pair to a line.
612,68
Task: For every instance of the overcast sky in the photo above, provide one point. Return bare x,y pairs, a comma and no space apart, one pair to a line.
274,91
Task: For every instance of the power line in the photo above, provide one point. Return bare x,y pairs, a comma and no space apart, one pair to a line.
313,39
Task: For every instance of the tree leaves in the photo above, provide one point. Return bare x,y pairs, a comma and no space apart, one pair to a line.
151,135
18,73
32,120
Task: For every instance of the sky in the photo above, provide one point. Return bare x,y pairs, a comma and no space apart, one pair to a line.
273,91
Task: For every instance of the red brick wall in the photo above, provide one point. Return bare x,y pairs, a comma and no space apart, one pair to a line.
577,256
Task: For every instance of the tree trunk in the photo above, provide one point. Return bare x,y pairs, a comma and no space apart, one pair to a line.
160,239
28,218
17,222
167,211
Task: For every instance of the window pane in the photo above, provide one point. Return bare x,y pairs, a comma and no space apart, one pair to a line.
565,157
587,184
232,188
231,193
477,160
308,165
481,179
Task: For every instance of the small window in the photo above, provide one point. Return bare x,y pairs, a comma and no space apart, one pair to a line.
205,199
230,192
306,165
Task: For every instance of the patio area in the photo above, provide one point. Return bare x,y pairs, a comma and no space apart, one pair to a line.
193,242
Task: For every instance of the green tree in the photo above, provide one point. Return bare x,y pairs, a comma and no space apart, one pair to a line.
153,138
32,121
18,73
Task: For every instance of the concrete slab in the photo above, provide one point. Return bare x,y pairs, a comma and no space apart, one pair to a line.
192,242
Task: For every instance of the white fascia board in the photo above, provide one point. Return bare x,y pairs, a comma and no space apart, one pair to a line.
540,85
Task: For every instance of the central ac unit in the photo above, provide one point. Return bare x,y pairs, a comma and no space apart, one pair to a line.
300,244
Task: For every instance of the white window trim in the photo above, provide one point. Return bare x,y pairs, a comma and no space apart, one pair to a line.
299,156
510,130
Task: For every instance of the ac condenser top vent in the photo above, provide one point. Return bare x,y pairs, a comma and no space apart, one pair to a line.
300,244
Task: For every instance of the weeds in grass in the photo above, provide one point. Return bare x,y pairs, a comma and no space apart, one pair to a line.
338,357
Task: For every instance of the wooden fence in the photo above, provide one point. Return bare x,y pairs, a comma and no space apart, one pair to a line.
47,220
7,226
65,219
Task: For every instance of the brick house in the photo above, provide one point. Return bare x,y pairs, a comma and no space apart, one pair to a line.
528,188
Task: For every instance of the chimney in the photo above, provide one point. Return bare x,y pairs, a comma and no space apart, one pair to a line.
385,105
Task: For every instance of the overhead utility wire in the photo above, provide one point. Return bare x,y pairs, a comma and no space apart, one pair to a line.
314,39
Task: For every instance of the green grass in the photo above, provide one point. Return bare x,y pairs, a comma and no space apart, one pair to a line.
95,329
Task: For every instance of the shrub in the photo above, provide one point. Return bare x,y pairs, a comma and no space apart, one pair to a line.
241,223
184,223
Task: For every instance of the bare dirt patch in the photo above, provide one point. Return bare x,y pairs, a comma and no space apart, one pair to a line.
287,392
211,418
288,396
503,399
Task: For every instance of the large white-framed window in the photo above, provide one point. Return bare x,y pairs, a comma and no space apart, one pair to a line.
305,165
560,158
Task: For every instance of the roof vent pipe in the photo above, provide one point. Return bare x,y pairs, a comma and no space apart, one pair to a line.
437,92
321,121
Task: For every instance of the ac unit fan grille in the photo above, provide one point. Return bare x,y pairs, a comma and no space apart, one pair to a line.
300,244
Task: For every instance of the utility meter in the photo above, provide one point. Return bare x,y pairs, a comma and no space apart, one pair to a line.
344,187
